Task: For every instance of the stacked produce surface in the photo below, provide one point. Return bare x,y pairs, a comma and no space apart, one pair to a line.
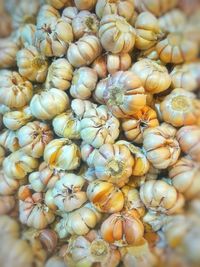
100,133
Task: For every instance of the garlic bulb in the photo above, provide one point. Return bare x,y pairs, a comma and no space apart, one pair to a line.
80,107
8,186
46,14
7,204
87,251
53,37
67,125
34,213
68,193
62,154
99,126
183,77
105,196
143,119
60,74
27,35
132,200
31,64
157,7
33,137
141,164
47,104
157,195
9,140
116,34
173,21
98,94
154,77
176,49
8,51
111,63
122,229
18,164
162,148
44,178
85,23
83,83
121,8
113,163
185,240
14,120
189,140
84,51
179,108
25,13
69,13
78,222
124,94
185,177
15,90
147,30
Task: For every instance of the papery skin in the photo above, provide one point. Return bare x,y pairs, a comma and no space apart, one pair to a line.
44,178
161,146
15,90
33,137
50,37
116,35
124,94
9,140
90,249
113,163
154,6
154,77
8,52
134,126
147,30
34,213
186,50
59,75
121,8
180,108
47,104
122,229
105,196
14,120
157,195
18,164
85,23
109,63
68,192
78,222
62,154
31,64
185,177
183,77
83,83
99,126
84,51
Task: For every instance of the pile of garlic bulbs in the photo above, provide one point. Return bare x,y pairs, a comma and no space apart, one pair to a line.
99,133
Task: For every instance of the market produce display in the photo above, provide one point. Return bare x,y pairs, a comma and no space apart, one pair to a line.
100,133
